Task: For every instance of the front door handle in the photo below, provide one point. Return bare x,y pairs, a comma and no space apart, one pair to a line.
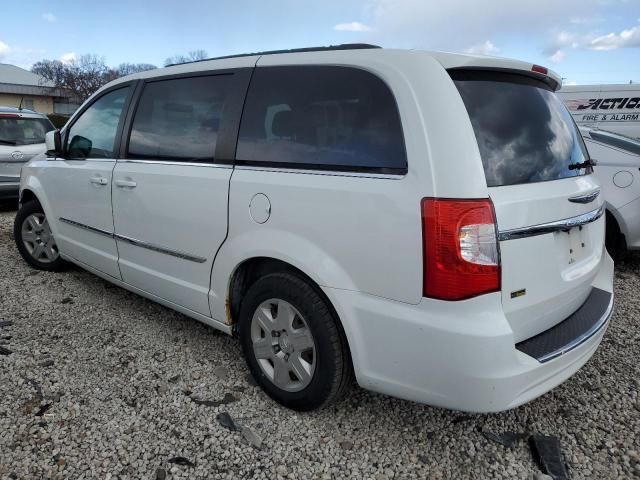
126,184
98,180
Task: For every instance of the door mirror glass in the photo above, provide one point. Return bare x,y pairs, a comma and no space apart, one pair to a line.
79,147
53,142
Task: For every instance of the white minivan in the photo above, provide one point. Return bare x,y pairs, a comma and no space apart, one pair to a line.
344,211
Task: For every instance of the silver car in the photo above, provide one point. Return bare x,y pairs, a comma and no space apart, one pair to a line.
21,137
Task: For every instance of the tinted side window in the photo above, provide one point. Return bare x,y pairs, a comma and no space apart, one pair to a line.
179,119
321,117
93,135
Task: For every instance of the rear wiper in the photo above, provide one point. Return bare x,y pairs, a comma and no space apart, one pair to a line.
576,166
8,142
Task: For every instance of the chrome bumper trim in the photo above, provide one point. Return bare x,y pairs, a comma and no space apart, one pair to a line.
576,342
557,226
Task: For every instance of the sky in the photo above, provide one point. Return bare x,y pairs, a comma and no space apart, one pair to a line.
585,41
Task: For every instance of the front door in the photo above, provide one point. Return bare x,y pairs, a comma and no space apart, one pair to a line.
79,185
170,192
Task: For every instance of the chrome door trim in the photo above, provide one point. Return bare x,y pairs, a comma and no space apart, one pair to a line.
86,227
186,164
588,198
557,226
137,243
157,248
576,342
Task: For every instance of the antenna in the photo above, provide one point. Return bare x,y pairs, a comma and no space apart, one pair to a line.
21,100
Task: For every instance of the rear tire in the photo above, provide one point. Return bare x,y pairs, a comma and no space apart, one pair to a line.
289,325
34,238
614,239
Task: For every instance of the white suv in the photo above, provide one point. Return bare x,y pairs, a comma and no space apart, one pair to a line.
425,221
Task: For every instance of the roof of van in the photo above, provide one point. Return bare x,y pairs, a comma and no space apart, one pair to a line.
340,52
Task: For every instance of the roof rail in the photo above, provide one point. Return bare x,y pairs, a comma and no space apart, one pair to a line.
342,46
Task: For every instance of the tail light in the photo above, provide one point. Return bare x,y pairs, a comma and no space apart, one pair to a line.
459,248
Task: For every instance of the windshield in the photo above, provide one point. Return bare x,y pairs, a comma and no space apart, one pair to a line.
23,131
524,132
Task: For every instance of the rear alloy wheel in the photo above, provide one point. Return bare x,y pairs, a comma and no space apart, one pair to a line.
34,238
293,343
283,345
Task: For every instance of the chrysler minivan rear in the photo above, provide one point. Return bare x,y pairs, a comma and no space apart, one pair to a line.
517,288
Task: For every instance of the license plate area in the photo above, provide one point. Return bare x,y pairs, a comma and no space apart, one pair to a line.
574,244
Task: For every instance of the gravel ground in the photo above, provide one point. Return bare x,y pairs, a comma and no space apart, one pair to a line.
102,383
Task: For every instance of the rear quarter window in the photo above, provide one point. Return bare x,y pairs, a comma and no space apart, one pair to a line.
525,133
321,117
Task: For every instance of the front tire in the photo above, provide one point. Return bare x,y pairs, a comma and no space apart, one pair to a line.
34,238
293,344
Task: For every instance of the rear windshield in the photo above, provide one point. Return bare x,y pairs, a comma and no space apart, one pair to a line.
23,131
524,132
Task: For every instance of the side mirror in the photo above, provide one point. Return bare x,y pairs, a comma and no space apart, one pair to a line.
79,147
54,142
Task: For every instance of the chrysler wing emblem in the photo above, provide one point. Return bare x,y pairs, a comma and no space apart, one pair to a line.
588,198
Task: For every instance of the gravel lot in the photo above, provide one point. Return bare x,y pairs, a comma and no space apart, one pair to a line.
102,383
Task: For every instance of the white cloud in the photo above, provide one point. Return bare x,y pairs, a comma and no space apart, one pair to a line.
558,56
587,20
456,24
352,27
49,17
68,57
486,48
4,50
625,39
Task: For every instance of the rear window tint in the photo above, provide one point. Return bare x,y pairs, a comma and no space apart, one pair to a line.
321,117
524,132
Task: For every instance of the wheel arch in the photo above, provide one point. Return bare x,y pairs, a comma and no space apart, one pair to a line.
251,270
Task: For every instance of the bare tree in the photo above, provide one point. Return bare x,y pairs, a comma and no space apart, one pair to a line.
80,78
129,68
192,56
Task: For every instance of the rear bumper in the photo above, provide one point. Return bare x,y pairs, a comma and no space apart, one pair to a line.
458,355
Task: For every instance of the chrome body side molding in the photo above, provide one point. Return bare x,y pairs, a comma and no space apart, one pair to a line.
157,248
86,227
137,243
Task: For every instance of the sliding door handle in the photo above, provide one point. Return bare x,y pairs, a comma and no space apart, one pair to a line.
98,180
125,184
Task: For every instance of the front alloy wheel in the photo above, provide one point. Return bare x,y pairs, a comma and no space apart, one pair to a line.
34,238
38,239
